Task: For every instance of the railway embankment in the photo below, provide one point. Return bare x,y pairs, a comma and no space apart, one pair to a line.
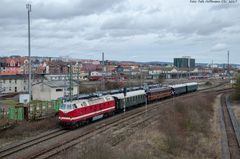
182,128
236,109
24,130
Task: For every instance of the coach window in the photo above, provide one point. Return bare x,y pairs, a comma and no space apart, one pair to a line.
74,106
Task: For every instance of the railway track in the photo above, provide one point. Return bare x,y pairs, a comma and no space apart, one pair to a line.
90,133
98,128
233,146
11,149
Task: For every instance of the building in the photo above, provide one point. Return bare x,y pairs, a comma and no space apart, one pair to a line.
16,83
62,77
184,62
119,69
2,64
77,68
52,90
10,66
58,67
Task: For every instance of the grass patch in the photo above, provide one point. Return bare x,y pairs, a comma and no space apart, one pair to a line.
9,102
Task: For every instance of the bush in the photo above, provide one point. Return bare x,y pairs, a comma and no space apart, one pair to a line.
236,94
112,85
183,123
208,83
25,129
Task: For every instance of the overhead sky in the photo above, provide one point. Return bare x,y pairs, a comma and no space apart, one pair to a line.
133,30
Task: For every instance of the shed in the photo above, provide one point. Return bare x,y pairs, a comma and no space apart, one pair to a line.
52,90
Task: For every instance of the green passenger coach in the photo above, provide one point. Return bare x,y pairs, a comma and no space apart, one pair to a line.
192,87
132,99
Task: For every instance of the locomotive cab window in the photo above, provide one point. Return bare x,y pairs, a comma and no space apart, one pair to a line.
66,106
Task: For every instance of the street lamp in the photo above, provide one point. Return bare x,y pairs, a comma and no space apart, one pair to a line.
28,6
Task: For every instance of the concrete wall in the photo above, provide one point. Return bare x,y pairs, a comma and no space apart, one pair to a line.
41,92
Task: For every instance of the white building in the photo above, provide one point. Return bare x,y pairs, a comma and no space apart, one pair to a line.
52,90
16,83
95,73
155,72
81,77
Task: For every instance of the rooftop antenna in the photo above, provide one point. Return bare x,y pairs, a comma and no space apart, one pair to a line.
29,9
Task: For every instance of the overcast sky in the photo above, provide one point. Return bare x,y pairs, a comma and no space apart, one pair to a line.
136,30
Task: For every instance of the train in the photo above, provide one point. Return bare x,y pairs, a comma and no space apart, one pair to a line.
82,111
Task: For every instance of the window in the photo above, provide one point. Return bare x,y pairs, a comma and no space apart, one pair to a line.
66,106
59,90
10,81
62,106
15,89
24,88
69,106
10,89
3,81
74,105
69,89
15,81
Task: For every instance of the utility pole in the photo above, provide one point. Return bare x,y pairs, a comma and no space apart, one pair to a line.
189,66
103,71
141,83
70,81
29,9
78,79
228,69
212,68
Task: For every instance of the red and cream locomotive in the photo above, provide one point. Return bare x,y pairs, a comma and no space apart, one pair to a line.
79,112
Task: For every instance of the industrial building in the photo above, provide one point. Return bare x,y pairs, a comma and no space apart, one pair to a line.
52,90
184,62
